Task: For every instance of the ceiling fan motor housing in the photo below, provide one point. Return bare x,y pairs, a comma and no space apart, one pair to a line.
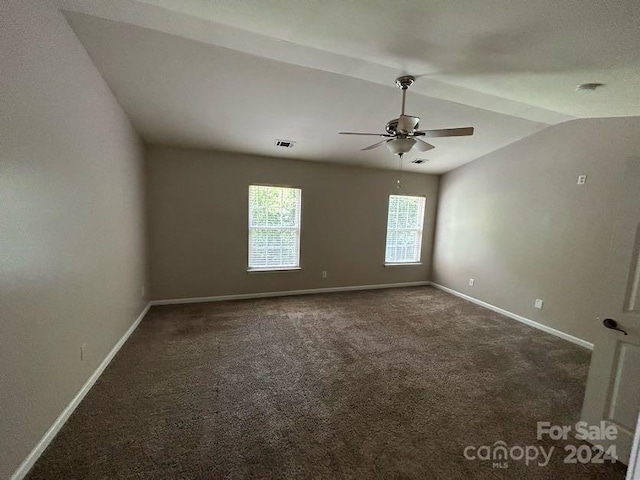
392,126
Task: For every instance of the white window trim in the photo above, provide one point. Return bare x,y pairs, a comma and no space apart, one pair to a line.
274,270
410,263
403,264
279,268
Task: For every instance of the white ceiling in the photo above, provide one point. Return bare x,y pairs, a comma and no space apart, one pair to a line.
236,75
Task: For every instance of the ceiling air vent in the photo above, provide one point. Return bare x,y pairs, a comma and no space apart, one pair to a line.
285,143
420,160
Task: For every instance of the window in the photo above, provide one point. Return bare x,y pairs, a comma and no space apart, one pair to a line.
274,228
404,229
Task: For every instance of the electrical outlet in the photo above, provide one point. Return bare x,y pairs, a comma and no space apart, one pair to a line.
538,304
582,179
143,290
472,282
83,349
324,274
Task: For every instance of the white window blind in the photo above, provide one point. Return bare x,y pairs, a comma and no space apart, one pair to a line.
274,227
404,229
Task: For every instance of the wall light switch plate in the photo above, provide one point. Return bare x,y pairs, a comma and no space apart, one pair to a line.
582,179
538,304
472,281
324,274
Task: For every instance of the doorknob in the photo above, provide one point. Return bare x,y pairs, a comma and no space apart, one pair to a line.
612,324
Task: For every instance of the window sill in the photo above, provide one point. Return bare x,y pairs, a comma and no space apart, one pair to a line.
274,270
405,264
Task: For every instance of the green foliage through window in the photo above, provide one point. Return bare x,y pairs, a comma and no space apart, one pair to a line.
404,229
274,227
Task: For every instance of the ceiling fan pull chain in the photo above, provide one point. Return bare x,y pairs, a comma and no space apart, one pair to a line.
400,167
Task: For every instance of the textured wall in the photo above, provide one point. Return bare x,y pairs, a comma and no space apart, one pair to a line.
72,249
518,223
198,223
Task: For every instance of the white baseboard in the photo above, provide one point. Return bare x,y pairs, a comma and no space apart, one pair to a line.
44,442
519,318
286,293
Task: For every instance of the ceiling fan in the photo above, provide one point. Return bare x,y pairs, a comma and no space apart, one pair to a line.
402,134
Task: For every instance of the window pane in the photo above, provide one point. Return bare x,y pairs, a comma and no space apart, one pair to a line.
274,227
404,229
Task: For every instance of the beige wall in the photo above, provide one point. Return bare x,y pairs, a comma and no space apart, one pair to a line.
198,223
72,250
518,223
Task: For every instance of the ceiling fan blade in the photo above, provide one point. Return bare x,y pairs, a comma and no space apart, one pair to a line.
371,147
446,132
423,146
374,134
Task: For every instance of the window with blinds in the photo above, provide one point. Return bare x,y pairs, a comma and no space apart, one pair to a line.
404,229
274,227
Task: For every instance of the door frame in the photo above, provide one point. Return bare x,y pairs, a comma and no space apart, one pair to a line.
633,470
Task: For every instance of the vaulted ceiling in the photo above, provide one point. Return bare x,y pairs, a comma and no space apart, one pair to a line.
237,75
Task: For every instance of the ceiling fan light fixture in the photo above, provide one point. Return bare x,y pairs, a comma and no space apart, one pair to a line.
400,145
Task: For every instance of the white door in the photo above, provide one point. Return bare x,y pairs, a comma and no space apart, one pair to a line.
613,387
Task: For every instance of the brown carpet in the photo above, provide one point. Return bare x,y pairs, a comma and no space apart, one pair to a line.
377,384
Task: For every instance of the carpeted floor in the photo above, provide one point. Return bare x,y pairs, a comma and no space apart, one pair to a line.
376,384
